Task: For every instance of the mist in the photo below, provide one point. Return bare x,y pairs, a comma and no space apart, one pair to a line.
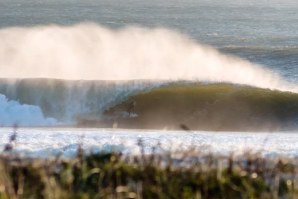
89,51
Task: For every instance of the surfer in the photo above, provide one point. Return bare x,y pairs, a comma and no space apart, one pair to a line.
131,107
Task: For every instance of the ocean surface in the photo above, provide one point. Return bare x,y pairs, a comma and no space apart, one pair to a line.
68,63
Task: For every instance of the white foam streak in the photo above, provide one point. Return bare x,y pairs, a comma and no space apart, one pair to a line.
90,51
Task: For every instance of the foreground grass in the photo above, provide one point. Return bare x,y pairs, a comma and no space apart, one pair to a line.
160,175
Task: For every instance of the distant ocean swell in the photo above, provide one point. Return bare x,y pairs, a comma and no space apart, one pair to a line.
273,52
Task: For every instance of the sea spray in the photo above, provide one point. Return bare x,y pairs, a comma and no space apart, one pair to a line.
93,52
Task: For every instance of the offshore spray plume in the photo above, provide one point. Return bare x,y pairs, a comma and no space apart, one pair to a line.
93,52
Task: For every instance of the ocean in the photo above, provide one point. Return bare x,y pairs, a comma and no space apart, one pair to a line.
206,71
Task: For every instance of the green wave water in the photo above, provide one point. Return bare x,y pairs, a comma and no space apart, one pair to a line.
217,107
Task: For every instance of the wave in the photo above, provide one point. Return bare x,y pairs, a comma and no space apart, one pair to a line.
146,104
217,107
93,52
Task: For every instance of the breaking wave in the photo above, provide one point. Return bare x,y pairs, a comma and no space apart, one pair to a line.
148,104
101,68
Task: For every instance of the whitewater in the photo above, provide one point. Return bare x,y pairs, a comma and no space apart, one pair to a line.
53,142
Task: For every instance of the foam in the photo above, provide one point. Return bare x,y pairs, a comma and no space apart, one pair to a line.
12,112
52,142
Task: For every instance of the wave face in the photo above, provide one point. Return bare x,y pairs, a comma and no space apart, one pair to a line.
93,52
67,100
216,107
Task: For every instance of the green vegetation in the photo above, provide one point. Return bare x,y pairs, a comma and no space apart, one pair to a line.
183,174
